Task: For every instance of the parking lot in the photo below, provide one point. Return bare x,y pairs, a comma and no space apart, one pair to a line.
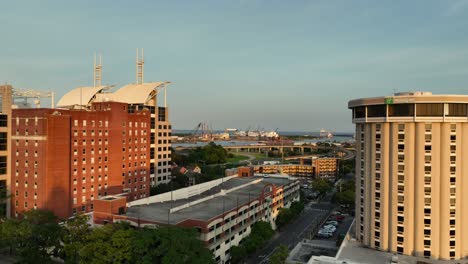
342,228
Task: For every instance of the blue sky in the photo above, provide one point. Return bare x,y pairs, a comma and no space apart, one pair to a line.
291,65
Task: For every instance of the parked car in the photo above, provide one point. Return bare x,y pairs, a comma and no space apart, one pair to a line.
332,228
338,218
323,233
334,223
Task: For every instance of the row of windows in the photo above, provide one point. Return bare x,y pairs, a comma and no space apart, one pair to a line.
408,110
135,124
93,123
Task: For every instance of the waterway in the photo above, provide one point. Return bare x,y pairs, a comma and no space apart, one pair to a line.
338,139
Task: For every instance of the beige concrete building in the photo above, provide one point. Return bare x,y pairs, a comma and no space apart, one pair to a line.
326,168
5,134
412,174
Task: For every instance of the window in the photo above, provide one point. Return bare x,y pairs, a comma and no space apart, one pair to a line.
430,109
3,120
376,111
457,110
401,110
3,140
360,112
3,164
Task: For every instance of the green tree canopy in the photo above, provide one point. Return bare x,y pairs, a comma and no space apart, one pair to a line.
260,233
280,255
322,185
74,237
35,238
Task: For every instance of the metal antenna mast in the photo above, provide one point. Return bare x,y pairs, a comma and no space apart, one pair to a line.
97,71
140,63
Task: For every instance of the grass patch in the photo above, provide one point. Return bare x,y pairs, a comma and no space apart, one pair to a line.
237,158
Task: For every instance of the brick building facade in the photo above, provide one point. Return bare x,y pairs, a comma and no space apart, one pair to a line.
64,159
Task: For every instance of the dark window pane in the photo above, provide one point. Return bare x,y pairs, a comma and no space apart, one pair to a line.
430,109
376,111
3,120
360,112
401,110
458,110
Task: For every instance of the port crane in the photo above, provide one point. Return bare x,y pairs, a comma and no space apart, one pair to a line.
26,94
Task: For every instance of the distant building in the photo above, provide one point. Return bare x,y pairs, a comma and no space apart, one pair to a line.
411,174
223,211
326,168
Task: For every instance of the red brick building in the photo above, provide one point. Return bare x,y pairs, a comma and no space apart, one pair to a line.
62,160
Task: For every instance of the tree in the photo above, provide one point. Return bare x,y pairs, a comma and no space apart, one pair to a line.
262,229
74,237
260,233
238,253
108,244
322,186
284,216
3,201
37,237
181,245
8,230
297,207
181,180
345,198
280,255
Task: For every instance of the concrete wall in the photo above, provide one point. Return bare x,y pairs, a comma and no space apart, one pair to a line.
183,193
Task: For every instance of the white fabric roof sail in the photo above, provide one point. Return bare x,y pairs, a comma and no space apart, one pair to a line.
137,93
130,94
79,96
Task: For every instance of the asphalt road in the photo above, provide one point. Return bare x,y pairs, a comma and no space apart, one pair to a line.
289,236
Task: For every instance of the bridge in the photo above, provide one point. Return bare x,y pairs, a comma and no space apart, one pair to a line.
265,148
348,154
305,150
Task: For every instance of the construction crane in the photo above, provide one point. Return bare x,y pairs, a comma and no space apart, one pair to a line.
26,94
201,131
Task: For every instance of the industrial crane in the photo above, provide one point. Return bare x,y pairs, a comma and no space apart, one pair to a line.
25,94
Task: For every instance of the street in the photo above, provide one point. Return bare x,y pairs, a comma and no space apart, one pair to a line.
311,217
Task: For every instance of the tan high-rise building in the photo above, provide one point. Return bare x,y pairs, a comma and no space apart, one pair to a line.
412,174
5,134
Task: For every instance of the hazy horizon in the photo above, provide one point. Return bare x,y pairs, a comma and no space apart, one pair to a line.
291,65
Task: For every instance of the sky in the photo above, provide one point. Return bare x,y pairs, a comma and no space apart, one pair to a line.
291,65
